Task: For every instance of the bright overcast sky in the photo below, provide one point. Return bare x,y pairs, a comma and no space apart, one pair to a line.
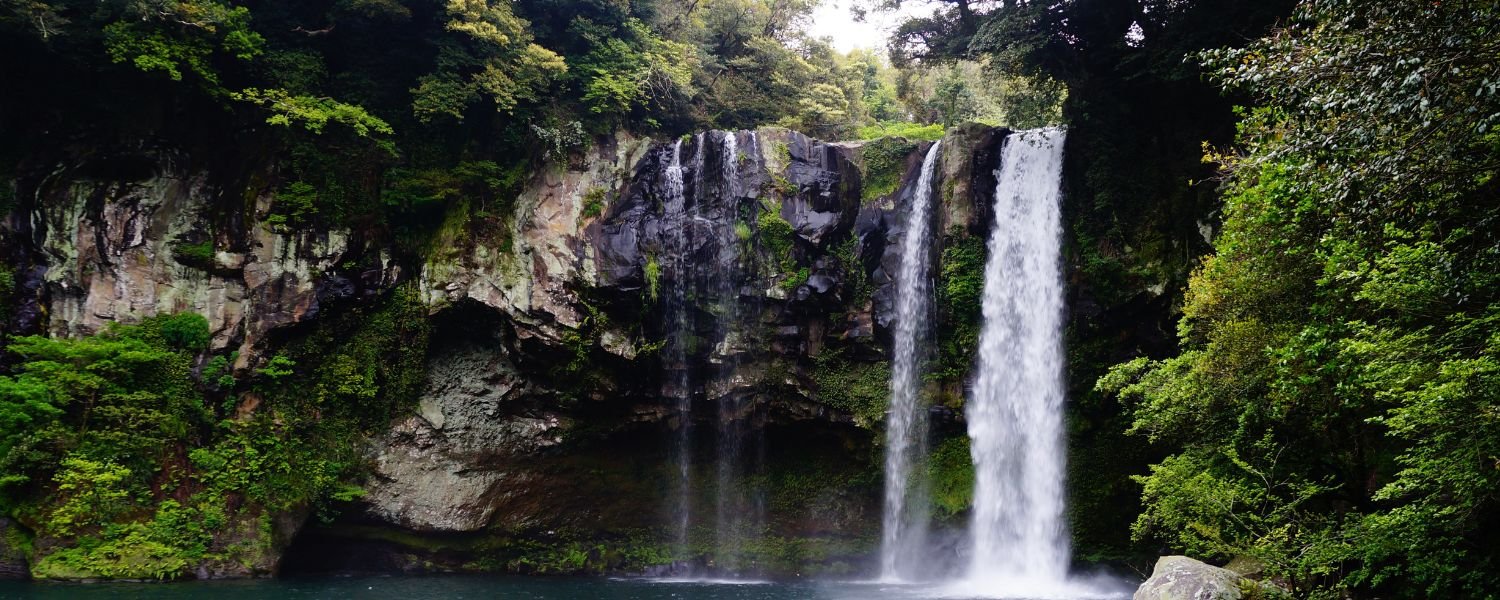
832,19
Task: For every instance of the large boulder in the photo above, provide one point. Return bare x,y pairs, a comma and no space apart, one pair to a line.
447,467
1182,578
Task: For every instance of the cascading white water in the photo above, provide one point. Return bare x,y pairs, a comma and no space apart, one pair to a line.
732,503
699,257
1020,545
905,511
729,167
678,378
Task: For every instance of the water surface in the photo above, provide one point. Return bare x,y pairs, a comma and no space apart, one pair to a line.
460,587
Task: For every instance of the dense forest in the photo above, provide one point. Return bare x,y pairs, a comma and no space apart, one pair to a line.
1281,244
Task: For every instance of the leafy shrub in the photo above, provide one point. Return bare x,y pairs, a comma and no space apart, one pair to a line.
184,331
902,129
884,162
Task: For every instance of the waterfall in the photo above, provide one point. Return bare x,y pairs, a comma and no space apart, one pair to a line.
733,514
678,381
906,506
1015,414
700,272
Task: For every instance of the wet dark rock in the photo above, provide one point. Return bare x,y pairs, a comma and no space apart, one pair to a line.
12,557
827,189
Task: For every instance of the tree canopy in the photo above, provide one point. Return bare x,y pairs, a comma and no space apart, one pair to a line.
1334,409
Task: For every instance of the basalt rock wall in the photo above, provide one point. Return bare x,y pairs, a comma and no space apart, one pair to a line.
543,426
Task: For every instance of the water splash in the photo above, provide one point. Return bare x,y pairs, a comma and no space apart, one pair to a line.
1020,545
904,522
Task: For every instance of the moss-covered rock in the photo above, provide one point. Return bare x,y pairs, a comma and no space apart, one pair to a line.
14,546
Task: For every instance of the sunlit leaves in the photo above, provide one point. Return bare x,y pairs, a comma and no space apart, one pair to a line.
178,37
1357,80
313,114
500,62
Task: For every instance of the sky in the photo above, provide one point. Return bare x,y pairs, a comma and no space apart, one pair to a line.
833,19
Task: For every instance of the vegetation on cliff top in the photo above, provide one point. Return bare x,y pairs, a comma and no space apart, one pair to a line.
382,109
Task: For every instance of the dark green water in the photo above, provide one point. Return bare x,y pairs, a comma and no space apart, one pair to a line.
469,587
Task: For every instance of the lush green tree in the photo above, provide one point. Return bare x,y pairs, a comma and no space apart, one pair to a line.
494,58
1334,410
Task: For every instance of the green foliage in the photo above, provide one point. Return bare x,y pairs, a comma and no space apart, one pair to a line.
113,458
593,202
953,101
779,242
560,139
902,129
790,281
980,88
365,364
295,205
631,67
219,371
653,277
950,470
884,165
1331,412
184,331
497,61
857,285
1352,79
7,290
861,389
630,553
960,291
94,493
88,427
200,255
277,368
485,183
313,113
183,36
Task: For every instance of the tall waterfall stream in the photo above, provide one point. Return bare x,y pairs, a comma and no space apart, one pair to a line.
1019,538
905,513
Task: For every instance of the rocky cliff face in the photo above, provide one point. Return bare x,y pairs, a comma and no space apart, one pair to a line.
758,261
123,237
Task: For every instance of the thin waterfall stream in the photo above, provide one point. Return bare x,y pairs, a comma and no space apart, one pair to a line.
735,512
700,263
906,509
678,381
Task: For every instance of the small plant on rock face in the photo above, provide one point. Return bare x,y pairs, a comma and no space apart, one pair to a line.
559,140
294,205
593,202
777,237
199,255
884,160
653,277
